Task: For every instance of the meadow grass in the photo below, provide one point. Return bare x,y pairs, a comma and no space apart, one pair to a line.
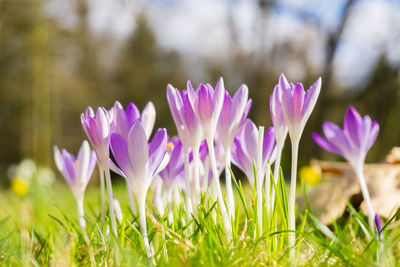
42,229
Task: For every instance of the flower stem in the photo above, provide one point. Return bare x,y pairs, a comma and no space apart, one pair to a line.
222,207
169,204
276,171
259,181
110,202
359,170
132,204
267,190
291,204
143,225
189,209
196,161
81,213
228,182
102,197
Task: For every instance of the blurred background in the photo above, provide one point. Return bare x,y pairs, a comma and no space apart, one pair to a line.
59,56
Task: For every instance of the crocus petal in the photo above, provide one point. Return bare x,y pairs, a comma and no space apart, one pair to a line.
322,142
298,101
83,161
225,117
250,139
92,164
218,101
310,98
121,120
204,104
148,118
336,137
132,114
373,134
239,103
58,158
69,167
268,145
102,124
119,149
352,126
157,150
115,169
138,150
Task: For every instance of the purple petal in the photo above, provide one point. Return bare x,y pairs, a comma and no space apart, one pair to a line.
132,114
268,144
192,95
352,126
283,83
250,139
102,124
83,161
121,120
311,97
119,149
322,142
225,116
70,173
298,102
204,104
148,118
239,103
157,149
138,150
373,134
218,99
241,160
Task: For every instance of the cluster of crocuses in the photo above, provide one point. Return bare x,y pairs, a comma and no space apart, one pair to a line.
213,132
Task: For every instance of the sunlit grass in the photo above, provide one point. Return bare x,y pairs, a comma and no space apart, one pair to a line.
42,228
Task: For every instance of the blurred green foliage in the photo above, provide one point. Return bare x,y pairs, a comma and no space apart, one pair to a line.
49,74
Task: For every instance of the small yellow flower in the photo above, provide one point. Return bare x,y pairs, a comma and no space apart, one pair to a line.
19,186
310,175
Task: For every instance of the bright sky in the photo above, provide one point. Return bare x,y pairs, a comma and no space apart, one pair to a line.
198,28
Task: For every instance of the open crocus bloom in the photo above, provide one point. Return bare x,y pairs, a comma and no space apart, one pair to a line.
245,149
137,160
354,141
174,171
76,171
234,112
124,119
184,117
98,128
207,105
298,104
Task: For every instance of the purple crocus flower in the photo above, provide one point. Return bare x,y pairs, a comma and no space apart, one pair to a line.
139,162
184,117
245,149
234,112
297,104
77,172
207,104
174,171
124,119
98,128
352,143
277,115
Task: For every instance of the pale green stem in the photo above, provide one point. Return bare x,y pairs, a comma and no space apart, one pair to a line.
228,182
189,209
143,225
102,197
359,170
132,204
279,148
110,202
291,204
259,181
267,190
222,207
81,213
169,203
196,161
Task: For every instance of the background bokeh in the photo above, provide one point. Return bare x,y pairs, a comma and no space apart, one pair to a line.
59,56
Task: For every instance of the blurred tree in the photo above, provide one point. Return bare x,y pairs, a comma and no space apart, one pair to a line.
143,71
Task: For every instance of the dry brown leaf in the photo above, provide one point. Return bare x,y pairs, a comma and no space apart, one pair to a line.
329,199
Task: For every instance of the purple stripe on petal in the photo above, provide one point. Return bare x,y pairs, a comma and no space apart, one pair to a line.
352,126
268,145
204,104
373,134
132,114
298,102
